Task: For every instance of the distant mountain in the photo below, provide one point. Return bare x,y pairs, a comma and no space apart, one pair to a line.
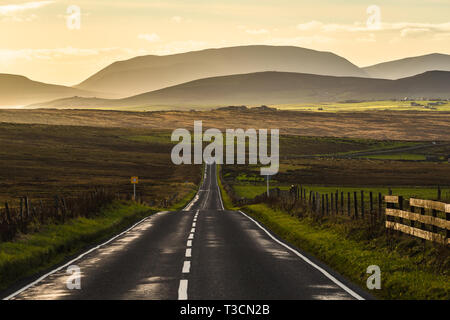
409,66
149,73
273,88
18,90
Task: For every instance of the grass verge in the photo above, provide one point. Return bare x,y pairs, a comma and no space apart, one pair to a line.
37,252
404,276
401,277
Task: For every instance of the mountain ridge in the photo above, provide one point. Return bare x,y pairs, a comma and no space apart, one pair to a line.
148,73
274,88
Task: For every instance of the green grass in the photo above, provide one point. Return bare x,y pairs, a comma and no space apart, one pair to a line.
251,191
36,252
400,156
227,202
362,106
403,277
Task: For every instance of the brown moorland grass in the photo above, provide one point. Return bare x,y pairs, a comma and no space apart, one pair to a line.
379,125
40,161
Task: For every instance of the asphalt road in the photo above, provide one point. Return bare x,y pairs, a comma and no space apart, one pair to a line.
202,252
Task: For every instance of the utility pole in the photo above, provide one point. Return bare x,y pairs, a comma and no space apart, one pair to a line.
134,181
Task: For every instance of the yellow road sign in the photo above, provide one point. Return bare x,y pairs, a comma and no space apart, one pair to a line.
134,180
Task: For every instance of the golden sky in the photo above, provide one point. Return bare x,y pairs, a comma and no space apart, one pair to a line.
41,39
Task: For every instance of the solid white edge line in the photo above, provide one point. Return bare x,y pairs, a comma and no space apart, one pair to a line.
75,259
220,195
323,271
182,290
186,267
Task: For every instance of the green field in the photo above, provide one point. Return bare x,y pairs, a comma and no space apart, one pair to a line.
251,191
362,106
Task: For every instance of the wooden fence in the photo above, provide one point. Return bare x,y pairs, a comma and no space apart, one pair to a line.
430,222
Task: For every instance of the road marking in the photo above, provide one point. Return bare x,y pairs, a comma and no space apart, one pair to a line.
194,224
78,258
189,243
186,267
193,230
191,236
182,290
220,195
188,253
323,271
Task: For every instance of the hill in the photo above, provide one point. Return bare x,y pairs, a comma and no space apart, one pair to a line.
409,66
18,90
274,88
149,73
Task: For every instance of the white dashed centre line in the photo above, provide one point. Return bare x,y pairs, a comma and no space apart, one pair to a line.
186,267
182,290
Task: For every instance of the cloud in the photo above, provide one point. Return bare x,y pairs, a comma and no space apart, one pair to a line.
153,37
369,38
176,19
309,25
300,41
9,9
400,30
257,31
8,56
181,46
413,32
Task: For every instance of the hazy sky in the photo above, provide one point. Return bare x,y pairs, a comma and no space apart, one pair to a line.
37,41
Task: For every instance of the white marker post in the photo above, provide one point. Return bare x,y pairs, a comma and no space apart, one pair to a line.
134,182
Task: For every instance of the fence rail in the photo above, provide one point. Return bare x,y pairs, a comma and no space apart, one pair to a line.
427,221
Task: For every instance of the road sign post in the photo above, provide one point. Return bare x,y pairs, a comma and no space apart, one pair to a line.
268,178
134,182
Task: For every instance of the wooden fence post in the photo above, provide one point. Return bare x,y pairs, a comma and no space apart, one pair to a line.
348,204
371,203
362,203
380,204
342,202
318,202
323,204
355,199
400,206
8,214
21,210
332,203
27,209
328,212
336,209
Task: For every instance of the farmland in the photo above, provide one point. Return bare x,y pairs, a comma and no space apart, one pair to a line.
40,161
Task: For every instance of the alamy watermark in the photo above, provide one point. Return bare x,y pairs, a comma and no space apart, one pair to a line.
73,282
73,18
182,153
374,19
374,280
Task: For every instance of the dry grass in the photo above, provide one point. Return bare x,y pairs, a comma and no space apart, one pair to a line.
40,161
380,125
